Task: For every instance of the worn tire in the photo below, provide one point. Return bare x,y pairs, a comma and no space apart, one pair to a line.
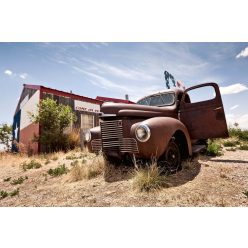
170,161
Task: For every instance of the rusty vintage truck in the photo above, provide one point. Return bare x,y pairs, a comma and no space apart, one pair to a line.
168,126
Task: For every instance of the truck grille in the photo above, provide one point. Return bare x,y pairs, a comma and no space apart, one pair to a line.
96,145
112,138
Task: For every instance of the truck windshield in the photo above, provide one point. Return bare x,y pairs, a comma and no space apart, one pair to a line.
158,100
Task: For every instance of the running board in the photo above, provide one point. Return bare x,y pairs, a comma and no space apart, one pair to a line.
198,148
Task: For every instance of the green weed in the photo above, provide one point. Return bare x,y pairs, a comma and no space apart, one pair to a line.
214,148
3,194
58,171
7,179
31,165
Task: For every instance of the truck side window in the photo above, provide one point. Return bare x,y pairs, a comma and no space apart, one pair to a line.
201,94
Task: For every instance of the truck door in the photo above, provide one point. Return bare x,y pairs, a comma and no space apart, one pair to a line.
204,114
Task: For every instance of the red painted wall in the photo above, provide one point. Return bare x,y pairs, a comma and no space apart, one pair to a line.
26,138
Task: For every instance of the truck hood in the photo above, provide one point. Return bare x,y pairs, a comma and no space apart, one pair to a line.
122,109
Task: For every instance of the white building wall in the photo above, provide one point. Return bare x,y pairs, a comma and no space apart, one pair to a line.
29,106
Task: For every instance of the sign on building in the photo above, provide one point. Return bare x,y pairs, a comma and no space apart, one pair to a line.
87,107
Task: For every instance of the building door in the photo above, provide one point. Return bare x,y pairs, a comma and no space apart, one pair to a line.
87,121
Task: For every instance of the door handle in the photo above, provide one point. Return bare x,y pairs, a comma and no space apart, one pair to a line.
216,109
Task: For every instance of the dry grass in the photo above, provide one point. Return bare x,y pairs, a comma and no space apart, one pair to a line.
231,142
87,170
218,181
244,147
74,139
149,178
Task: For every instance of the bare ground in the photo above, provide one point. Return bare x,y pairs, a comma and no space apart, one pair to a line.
219,181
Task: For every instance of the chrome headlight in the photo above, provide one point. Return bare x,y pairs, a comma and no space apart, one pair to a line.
142,133
87,136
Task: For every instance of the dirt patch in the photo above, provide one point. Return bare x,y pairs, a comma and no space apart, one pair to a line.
219,181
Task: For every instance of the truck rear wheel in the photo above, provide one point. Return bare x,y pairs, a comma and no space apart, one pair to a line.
170,162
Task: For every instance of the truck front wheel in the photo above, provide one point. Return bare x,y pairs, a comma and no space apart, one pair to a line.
170,162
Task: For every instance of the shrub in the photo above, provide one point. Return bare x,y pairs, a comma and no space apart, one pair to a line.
19,180
230,143
150,178
6,135
14,192
54,119
240,134
213,149
7,179
58,171
3,194
31,165
244,147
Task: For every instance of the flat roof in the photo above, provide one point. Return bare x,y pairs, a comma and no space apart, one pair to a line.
62,93
110,99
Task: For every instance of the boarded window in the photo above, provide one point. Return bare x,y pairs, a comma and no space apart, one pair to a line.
87,121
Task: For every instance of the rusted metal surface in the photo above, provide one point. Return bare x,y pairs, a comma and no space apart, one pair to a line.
204,119
188,123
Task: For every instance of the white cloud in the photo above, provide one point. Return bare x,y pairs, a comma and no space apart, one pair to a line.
241,120
101,81
8,72
135,92
84,46
23,75
234,107
123,72
243,53
233,89
104,43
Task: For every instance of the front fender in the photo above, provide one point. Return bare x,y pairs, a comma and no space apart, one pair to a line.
95,143
162,130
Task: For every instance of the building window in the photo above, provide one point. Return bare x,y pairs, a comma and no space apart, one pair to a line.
47,95
64,100
87,121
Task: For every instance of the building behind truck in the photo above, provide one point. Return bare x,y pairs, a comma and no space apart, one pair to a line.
86,109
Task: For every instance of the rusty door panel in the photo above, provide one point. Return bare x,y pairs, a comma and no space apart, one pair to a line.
204,119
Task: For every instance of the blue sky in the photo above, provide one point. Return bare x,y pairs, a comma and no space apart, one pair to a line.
116,69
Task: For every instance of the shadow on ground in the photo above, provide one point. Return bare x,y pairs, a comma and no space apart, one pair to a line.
230,161
188,173
118,173
121,173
